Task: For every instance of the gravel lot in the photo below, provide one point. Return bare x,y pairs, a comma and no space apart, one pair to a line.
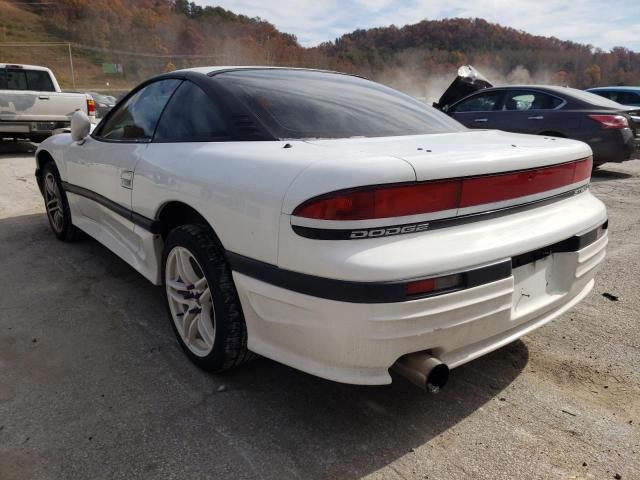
93,384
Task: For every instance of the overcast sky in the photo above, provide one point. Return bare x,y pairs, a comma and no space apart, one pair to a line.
601,23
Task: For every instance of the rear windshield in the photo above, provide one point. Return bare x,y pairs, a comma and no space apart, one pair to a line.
594,99
20,79
296,104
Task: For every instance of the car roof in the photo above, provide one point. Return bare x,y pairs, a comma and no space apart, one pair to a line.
26,67
615,88
212,70
554,88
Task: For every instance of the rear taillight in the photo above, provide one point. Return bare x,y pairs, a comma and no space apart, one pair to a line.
428,197
611,121
382,202
91,106
497,188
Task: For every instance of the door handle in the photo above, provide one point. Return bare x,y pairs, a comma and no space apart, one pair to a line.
43,97
126,179
537,117
481,120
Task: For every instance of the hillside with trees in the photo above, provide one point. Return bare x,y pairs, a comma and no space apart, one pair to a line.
437,47
120,42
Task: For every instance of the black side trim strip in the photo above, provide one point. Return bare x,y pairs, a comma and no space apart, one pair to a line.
349,291
148,224
348,234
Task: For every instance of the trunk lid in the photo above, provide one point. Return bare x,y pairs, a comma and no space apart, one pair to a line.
468,81
462,154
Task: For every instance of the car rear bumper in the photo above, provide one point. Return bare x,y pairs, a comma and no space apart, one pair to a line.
357,341
26,128
614,146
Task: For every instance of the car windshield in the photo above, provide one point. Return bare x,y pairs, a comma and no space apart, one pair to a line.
297,104
594,99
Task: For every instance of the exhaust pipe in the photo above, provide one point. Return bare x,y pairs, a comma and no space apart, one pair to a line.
423,370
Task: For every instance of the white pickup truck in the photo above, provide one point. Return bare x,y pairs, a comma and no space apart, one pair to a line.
32,104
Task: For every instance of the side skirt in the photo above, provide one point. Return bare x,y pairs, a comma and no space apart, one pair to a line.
134,244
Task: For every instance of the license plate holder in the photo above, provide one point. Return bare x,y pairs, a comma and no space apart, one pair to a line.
531,282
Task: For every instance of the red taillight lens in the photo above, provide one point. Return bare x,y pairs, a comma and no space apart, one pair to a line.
383,202
611,121
403,200
497,188
91,106
431,285
583,170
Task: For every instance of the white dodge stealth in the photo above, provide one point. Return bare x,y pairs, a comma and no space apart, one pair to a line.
328,222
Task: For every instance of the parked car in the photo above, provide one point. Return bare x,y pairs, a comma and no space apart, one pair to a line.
104,103
608,127
32,104
629,96
328,222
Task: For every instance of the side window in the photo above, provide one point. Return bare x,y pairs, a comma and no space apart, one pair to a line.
39,81
628,98
13,79
136,119
485,102
529,100
605,94
191,116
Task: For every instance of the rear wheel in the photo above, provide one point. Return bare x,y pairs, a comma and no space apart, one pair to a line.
57,205
203,304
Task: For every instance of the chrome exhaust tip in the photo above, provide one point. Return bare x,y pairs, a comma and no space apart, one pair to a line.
423,370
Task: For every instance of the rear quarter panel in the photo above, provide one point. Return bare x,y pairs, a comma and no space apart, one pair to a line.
238,187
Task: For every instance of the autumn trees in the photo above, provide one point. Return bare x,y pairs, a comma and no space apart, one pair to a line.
151,36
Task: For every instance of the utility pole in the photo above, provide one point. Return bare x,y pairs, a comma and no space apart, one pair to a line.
73,74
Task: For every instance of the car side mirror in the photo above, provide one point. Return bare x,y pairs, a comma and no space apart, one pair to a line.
80,126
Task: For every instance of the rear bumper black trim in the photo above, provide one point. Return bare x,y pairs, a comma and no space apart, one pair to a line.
148,224
348,234
391,292
572,244
350,291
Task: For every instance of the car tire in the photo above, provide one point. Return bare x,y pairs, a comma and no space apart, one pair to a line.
209,327
56,205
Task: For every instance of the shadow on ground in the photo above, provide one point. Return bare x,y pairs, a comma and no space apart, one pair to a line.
11,148
96,386
603,174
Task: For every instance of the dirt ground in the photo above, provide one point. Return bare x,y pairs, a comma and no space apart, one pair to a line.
94,386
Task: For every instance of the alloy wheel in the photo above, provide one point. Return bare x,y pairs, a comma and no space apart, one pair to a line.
190,301
53,202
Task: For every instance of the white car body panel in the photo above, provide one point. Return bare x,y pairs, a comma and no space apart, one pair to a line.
463,154
32,106
248,190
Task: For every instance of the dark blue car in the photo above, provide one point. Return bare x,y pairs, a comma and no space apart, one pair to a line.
609,128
